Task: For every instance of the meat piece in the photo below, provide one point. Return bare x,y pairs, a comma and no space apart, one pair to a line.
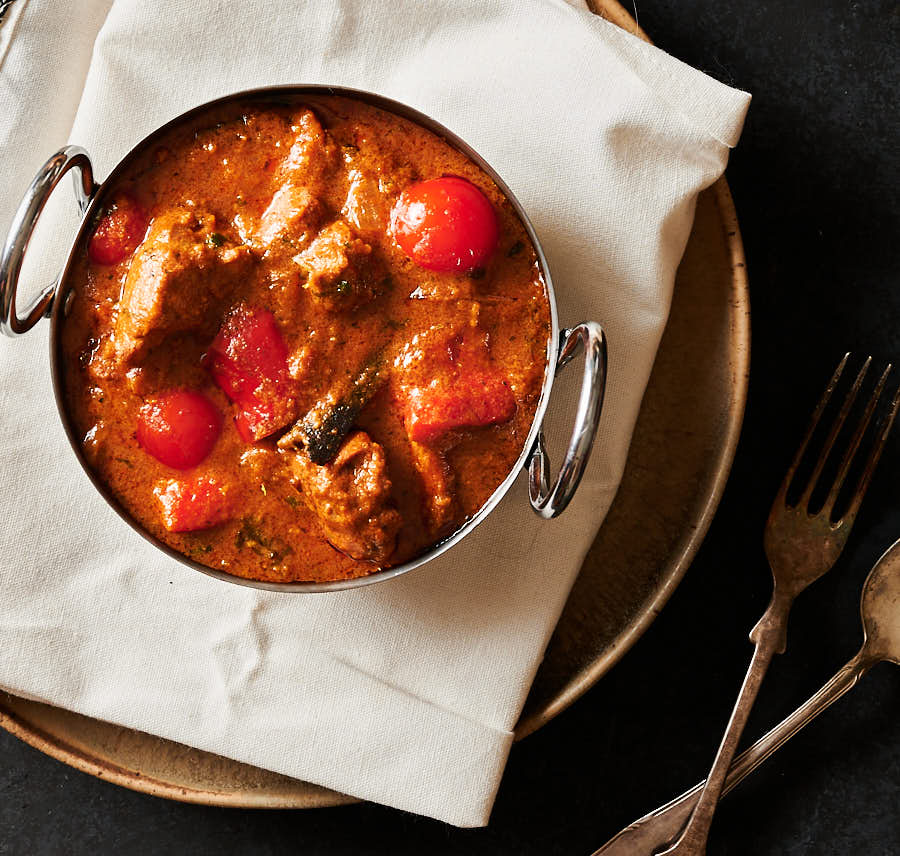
177,282
365,207
334,266
287,218
312,151
262,464
380,157
294,210
437,486
351,496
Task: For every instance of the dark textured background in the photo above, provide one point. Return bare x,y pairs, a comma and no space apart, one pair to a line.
816,180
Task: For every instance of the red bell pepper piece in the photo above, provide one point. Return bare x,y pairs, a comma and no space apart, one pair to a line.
249,361
191,505
471,401
464,389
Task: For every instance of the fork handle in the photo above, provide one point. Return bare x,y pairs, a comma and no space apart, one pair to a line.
662,825
769,636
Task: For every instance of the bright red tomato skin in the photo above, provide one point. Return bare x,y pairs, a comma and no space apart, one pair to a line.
248,360
179,428
119,231
445,224
188,506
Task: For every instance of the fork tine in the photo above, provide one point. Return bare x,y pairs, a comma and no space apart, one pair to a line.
817,414
872,461
832,434
855,441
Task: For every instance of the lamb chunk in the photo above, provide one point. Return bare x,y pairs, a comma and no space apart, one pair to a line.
312,150
287,218
334,266
437,486
262,464
294,208
180,277
351,496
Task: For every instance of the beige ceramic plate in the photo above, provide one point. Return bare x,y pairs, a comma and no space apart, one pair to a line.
679,461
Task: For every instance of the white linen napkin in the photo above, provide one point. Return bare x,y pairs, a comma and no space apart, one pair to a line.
406,692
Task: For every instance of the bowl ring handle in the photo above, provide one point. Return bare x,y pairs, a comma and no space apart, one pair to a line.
550,501
22,227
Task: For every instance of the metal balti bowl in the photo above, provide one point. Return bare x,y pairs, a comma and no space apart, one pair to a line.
548,499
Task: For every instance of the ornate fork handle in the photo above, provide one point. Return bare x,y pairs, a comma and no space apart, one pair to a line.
769,638
661,826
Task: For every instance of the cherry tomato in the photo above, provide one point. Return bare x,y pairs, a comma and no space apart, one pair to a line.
179,428
445,224
191,505
249,362
119,231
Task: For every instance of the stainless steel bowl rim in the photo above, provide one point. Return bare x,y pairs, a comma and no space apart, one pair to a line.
558,342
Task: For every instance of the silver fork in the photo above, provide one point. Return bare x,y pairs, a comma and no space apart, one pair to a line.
801,547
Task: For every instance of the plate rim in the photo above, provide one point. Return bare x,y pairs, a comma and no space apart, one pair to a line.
691,540
681,558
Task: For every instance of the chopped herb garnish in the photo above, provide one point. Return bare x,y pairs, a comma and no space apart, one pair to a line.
126,462
343,287
292,501
250,536
516,248
215,239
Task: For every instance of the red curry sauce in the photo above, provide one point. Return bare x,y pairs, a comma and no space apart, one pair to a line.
305,342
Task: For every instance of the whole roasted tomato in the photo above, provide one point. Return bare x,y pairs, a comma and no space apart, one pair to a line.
179,428
445,224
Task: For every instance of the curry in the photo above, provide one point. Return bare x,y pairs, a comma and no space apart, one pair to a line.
306,340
